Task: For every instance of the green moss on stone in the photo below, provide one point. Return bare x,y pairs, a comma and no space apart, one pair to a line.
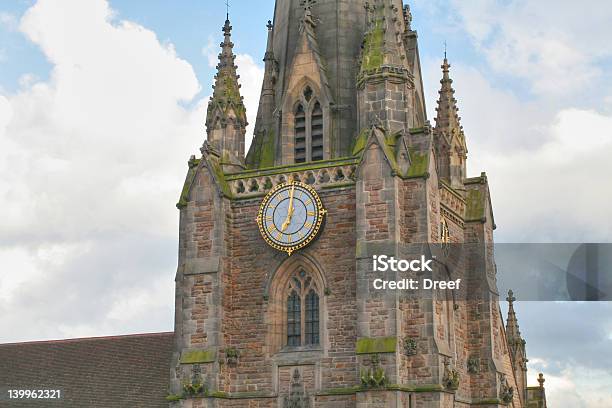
339,391
191,174
218,394
375,345
474,210
220,177
173,398
373,56
419,164
360,142
199,356
270,171
266,157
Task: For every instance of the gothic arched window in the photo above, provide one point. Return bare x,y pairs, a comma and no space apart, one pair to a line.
308,144
302,311
294,319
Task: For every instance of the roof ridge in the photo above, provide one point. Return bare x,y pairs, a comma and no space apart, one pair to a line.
79,339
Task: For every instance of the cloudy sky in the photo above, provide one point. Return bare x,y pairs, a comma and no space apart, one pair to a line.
102,103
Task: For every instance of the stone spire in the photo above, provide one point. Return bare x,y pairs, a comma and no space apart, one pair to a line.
447,118
512,327
226,116
451,149
261,153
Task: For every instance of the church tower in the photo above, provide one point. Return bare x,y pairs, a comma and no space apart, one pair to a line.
275,298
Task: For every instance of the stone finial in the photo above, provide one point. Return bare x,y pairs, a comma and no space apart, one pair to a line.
270,26
511,299
541,380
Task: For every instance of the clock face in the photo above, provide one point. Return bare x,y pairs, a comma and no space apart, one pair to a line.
290,216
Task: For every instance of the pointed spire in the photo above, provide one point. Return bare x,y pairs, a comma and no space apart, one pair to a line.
447,118
512,327
226,88
451,149
226,116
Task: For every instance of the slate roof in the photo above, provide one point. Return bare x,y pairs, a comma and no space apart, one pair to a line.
122,371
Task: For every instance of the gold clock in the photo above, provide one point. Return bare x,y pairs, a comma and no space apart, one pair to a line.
290,216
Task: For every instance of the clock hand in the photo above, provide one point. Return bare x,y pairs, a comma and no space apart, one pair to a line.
289,210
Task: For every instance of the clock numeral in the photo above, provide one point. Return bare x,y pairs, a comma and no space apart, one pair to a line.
300,234
308,224
311,213
290,238
278,235
307,202
271,227
268,218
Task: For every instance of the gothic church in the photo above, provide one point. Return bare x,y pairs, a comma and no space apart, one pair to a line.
274,301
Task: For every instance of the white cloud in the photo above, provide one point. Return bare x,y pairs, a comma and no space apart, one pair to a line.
91,164
554,46
576,387
251,78
544,164
211,51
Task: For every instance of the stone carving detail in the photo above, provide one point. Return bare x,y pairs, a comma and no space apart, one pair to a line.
297,397
259,185
410,346
195,386
451,377
375,376
452,203
473,365
231,356
506,392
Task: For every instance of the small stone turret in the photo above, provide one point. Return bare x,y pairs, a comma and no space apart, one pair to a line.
385,82
450,145
226,116
516,345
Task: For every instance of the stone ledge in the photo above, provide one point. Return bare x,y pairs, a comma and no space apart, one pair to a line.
376,345
202,266
199,356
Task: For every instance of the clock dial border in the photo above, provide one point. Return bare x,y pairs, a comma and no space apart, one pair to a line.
313,232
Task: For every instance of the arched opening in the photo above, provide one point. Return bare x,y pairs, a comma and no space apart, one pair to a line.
296,307
309,127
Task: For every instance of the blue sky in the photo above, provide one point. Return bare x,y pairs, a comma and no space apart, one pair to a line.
102,103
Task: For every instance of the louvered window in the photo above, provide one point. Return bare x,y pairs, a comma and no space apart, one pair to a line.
309,128
300,134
